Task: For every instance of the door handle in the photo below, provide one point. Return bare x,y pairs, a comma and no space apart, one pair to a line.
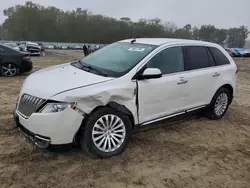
216,74
182,81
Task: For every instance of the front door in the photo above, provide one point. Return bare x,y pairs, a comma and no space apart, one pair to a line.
166,95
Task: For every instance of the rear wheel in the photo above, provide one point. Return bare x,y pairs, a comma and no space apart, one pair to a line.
106,133
8,70
219,104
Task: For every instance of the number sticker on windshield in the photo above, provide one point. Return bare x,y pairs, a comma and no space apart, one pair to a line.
136,49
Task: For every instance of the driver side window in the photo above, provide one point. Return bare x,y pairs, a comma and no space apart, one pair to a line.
169,60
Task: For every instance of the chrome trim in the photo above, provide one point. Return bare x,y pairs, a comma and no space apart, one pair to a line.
47,142
173,115
197,108
162,118
28,104
41,138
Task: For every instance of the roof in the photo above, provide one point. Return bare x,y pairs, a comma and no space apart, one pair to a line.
161,41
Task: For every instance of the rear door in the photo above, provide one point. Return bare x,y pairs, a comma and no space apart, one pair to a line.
202,77
9,55
226,72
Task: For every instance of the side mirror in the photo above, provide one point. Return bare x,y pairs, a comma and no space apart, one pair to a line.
151,73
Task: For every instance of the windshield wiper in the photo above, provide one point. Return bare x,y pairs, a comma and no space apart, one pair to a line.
90,68
83,66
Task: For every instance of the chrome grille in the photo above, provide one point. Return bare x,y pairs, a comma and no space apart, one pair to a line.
29,104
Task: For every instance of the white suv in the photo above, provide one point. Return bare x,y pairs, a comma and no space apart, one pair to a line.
99,100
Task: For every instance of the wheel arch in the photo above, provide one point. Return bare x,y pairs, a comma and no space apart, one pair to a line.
112,104
230,88
118,107
11,62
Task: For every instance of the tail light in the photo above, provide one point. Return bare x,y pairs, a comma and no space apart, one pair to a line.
26,58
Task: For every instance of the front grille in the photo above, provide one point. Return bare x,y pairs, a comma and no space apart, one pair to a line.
29,104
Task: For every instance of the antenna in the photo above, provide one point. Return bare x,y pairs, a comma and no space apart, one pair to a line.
134,40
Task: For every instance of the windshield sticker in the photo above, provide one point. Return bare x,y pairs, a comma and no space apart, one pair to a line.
136,49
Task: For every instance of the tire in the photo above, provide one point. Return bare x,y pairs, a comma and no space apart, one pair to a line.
217,110
9,70
94,124
43,54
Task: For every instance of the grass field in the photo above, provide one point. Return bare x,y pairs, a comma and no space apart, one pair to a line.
195,152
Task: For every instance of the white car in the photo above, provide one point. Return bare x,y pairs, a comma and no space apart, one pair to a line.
64,47
50,47
99,100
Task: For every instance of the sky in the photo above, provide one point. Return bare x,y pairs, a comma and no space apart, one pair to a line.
221,13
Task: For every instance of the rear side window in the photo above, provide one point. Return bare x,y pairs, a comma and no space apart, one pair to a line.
197,57
219,57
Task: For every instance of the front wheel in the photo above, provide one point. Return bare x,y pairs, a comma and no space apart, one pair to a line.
219,104
106,133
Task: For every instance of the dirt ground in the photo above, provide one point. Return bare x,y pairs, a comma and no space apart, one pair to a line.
188,153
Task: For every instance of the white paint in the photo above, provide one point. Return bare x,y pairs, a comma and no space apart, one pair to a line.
151,71
158,98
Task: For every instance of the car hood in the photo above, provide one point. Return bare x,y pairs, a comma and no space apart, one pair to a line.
51,81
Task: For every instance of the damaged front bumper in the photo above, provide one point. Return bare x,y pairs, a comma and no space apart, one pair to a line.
53,129
40,141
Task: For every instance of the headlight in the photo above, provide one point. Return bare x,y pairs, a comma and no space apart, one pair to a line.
57,107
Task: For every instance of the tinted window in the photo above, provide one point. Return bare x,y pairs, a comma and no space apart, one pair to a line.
2,50
211,58
168,61
219,57
197,57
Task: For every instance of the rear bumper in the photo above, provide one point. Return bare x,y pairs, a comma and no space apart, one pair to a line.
26,66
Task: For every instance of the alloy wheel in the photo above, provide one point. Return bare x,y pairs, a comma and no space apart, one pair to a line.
9,70
108,133
221,104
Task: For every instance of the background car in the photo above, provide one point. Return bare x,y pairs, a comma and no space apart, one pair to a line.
93,48
13,45
64,47
32,48
50,47
242,52
232,52
78,47
13,62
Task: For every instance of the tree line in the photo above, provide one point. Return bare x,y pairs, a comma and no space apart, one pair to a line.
39,23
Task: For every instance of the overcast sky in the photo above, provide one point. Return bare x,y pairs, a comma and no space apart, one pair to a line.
221,13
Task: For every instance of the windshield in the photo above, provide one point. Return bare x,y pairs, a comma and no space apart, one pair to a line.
118,58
